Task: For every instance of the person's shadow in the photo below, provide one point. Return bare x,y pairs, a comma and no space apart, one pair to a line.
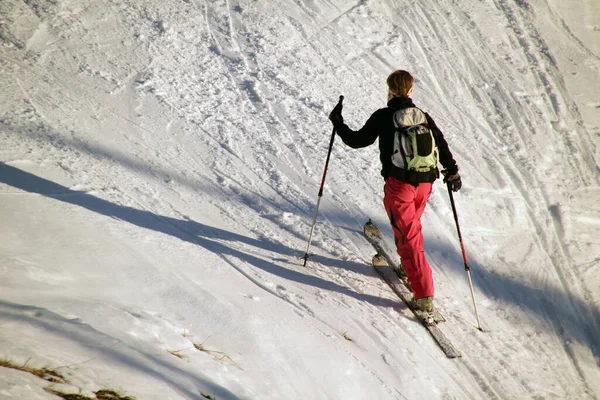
581,325
209,237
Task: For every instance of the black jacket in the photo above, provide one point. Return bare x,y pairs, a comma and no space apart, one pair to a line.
381,125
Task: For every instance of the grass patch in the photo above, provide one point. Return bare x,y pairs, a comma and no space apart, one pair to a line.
178,354
68,396
51,375
217,355
102,394
106,394
43,373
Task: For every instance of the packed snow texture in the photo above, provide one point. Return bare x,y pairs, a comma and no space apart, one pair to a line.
159,169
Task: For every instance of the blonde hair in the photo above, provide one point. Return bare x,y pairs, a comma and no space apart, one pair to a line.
400,84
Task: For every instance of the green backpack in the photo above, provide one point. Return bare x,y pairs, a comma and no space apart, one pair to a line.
414,144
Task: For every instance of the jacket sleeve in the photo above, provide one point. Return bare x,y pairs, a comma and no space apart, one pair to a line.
364,137
446,158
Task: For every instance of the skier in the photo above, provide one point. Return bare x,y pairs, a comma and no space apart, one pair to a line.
406,192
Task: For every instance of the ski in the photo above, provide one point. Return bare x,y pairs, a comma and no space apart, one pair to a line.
395,277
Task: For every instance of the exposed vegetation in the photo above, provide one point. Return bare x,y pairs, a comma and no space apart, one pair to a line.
54,377
177,353
43,373
217,355
103,394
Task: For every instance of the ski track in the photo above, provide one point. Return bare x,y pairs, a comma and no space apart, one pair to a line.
559,259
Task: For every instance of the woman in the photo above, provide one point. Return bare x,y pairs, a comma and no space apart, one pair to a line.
406,190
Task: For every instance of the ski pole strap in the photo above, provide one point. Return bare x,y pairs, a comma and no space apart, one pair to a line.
329,154
462,246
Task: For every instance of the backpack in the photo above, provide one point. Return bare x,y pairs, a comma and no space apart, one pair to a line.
414,144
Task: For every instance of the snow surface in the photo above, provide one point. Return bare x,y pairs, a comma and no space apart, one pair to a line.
160,165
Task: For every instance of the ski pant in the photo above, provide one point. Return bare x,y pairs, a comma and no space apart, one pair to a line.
405,205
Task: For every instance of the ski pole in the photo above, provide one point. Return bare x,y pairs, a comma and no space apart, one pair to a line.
321,189
464,254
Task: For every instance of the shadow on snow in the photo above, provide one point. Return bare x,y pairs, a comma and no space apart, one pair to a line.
104,345
571,317
208,237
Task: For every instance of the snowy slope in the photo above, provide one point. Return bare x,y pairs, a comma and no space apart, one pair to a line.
159,169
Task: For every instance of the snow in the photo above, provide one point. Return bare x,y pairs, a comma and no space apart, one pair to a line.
159,169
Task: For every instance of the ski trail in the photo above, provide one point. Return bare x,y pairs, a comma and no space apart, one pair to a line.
553,245
258,94
239,53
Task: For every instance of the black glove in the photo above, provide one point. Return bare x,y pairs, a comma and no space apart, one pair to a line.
336,115
452,178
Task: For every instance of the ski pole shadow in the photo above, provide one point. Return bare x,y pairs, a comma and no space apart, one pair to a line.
571,317
209,237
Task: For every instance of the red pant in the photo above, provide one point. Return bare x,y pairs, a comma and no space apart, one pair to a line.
405,204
